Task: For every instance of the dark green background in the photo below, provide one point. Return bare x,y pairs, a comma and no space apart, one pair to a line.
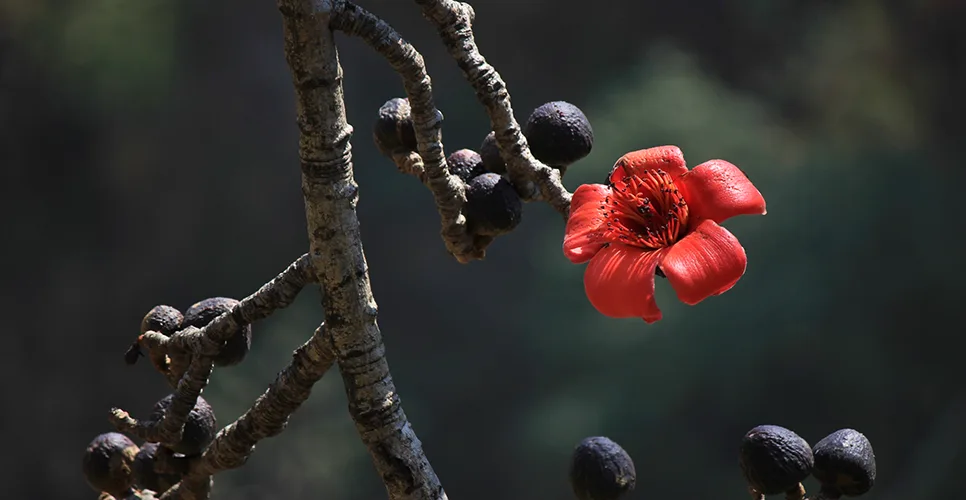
148,154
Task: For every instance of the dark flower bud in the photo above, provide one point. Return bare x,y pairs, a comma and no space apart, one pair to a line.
490,154
559,134
492,205
240,342
845,462
774,459
601,470
199,428
145,476
107,463
465,164
164,319
393,131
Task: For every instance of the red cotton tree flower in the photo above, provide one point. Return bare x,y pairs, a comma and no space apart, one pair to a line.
657,217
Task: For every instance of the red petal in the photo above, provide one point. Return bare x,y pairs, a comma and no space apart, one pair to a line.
667,158
706,262
619,282
582,236
718,190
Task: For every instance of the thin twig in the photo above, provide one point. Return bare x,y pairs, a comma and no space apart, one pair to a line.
169,429
278,293
271,411
331,195
267,417
532,179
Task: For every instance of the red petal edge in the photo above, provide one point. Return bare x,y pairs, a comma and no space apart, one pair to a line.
582,237
619,282
708,261
667,158
718,190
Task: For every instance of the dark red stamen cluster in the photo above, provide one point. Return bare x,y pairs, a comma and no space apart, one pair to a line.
645,210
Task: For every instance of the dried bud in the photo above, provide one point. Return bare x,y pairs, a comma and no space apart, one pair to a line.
465,164
240,342
490,154
107,463
145,476
845,463
774,459
601,470
492,205
393,131
164,319
559,134
199,428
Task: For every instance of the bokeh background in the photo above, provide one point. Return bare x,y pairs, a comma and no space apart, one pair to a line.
148,154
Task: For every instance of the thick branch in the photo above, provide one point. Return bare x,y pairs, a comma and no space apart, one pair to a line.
533,179
427,120
331,195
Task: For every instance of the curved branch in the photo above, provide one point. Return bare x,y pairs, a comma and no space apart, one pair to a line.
532,179
448,189
331,194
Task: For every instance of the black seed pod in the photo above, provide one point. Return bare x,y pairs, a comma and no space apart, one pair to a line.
107,463
199,428
465,164
236,347
774,459
145,476
559,134
164,319
490,154
393,131
601,470
845,462
492,205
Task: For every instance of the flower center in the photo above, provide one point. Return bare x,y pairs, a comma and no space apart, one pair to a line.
645,211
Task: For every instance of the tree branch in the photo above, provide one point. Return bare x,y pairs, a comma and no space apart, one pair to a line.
448,189
271,411
195,348
331,194
532,179
234,444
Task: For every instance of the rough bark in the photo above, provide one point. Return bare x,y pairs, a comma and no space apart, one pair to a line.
331,195
532,179
448,189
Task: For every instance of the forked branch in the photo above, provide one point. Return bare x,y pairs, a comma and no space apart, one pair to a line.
335,244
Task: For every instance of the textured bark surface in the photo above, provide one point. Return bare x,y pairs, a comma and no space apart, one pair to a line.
448,189
271,411
331,194
532,179
194,348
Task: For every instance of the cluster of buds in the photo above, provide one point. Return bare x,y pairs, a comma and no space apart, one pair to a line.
558,134
773,459
117,467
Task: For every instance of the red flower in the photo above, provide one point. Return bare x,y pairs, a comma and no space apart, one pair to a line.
657,216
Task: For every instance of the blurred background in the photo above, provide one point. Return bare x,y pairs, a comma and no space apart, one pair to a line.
148,154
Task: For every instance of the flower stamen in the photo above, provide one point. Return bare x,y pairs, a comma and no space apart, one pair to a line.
645,210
